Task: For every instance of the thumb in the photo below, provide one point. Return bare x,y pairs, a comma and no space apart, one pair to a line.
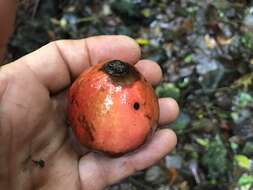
97,171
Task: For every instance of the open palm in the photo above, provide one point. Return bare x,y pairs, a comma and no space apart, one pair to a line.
35,144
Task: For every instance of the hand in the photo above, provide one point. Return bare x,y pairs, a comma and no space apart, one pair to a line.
35,151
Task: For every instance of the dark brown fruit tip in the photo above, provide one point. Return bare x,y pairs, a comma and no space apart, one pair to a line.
121,73
116,68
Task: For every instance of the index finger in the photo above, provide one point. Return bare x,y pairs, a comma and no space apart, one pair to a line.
59,62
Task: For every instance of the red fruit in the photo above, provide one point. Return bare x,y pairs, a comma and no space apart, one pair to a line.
112,108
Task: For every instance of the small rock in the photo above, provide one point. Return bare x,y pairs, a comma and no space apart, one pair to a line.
205,64
164,187
154,175
181,123
186,71
223,99
248,148
244,122
106,10
121,186
211,75
226,30
248,19
173,162
127,10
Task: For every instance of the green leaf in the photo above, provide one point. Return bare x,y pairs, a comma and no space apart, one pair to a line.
242,161
245,81
234,146
245,99
203,142
143,41
245,180
146,12
246,40
188,58
168,90
216,158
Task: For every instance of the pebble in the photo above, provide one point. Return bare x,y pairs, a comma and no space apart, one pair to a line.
173,162
154,174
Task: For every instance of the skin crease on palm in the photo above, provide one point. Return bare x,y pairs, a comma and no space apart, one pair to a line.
37,149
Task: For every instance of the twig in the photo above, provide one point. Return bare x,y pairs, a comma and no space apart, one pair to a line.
35,7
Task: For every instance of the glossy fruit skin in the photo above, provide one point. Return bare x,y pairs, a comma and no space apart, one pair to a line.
110,110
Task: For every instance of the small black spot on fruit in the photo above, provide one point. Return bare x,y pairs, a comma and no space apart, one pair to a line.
136,106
